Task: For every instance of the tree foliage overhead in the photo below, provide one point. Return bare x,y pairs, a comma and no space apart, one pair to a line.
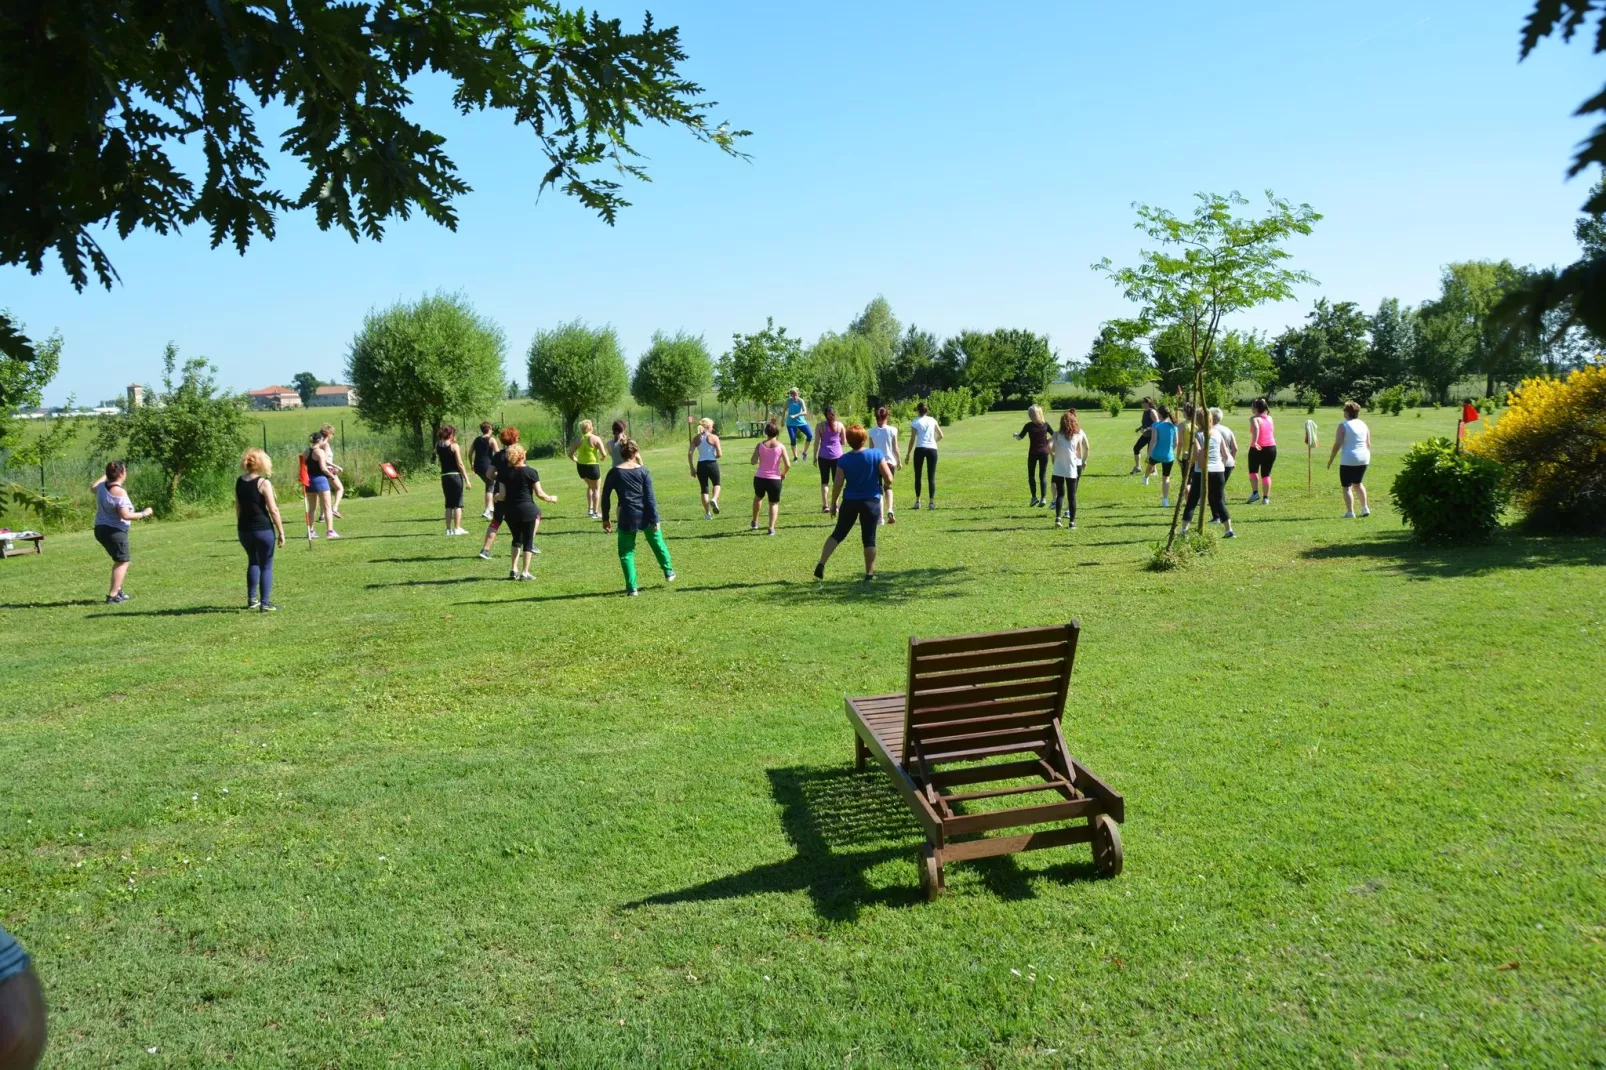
413,364
759,366
575,369
185,428
674,369
94,95
23,380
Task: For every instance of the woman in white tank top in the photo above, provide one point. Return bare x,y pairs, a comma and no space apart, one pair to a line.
1352,446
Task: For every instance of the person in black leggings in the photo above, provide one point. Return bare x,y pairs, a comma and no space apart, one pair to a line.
1037,453
924,434
454,478
481,451
860,476
1143,435
261,529
518,486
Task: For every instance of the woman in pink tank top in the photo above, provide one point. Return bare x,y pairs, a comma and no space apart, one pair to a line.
1262,452
773,464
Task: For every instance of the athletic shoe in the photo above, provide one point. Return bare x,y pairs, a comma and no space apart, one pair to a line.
707,515
1253,498
869,577
892,518
338,516
526,576
1212,520
1072,525
715,504
933,505
917,504
512,573
1135,470
311,534
1145,481
1058,522
631,592
1033,505
669,577
1265,500
1366,512
113,599
1230,535
819,571
1348,516
770,532
753,526
825,509
535,549
252,604
267,607
485,555
1165,503
331,534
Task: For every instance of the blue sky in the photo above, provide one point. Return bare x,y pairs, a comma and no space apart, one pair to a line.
968,161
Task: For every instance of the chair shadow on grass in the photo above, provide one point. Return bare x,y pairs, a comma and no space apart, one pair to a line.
1402,553
843,824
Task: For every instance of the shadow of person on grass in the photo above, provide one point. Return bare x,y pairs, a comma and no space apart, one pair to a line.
53,605
182,611
1402,553
430,583
842,824
844,582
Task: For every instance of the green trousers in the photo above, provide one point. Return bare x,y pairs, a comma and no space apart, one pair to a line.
627,553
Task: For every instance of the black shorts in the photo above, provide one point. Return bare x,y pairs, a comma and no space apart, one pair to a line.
115,540
1261,458
452,487
1348,475
867,511
827,469
522,528
767,488
1165,467
589,471
707,474
487,474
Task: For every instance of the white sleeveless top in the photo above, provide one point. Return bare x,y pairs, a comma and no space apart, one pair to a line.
1354,450
705,449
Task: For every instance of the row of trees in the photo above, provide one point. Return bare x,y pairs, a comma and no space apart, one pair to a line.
415,363
1342,352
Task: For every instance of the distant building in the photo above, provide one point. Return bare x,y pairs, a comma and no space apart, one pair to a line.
274,397
106,410
136,395
335,394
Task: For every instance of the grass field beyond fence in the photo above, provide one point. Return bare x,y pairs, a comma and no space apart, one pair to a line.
425,816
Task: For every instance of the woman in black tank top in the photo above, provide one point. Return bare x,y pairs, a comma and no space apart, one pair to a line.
481,450
454,478
261,531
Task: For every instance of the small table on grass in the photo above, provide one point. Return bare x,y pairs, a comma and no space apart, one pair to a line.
8,544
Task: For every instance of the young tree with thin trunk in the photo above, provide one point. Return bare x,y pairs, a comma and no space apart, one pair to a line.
1206,269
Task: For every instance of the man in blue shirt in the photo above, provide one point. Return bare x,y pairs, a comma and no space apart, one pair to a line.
860,477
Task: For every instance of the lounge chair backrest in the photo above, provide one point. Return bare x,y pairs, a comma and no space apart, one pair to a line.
388,470
992,688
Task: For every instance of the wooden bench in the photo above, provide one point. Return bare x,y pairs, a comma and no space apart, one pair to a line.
8,544
982,713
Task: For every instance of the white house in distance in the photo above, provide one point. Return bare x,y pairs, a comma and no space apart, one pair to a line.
274,397
335,394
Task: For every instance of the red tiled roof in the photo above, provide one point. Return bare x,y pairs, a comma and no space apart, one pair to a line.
271,390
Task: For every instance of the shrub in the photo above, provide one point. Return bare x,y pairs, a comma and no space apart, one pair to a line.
1391,400
1551,441
1189,547
1449,496
1413,398
1112,405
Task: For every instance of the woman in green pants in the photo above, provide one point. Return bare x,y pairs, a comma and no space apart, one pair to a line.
638,511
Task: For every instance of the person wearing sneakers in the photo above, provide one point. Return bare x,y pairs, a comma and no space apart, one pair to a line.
586,453
827,452
508,437
1352,445
481,451
1070,457
517,487
924,434
318,488
1143,437
1162,452
454,478
797,423
638,512
1037,453
857,483
1262,452
1210,471
114,515
257,522
884,437
773,464
705,465
616,448
1231,440
337,489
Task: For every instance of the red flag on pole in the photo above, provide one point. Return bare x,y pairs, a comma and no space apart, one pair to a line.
1469,413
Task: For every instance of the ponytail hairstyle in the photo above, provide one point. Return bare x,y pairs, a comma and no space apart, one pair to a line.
448,433
629,449
923,409
706,424
257,462
1164,411
618,428
881,415
830,415
485,427
1258,406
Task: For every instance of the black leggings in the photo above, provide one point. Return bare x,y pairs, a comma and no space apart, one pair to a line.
1065,491
867,511
522,529
1137,447
1037,474
926,458
1217,482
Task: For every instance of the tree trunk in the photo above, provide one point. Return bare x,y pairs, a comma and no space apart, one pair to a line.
172,487
418,435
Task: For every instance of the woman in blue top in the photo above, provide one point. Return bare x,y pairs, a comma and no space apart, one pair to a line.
638,511
861,475
1162,452
797,423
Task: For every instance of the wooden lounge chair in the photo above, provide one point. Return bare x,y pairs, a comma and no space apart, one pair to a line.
393,479
985,710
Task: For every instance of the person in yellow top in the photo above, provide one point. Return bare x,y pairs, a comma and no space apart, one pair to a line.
587,453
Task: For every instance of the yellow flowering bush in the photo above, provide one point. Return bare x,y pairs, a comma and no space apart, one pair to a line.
1551,441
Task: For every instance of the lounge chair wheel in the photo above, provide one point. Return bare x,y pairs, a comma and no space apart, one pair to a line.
1106,841
930,873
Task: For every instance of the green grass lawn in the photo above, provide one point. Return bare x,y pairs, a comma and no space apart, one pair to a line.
427,816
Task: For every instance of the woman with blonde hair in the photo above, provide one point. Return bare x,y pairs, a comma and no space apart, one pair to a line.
587,454
1037,453
705,466
261,529
336,488
517,488
1070,457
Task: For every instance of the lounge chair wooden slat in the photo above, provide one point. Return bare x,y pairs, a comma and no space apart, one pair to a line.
974,705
